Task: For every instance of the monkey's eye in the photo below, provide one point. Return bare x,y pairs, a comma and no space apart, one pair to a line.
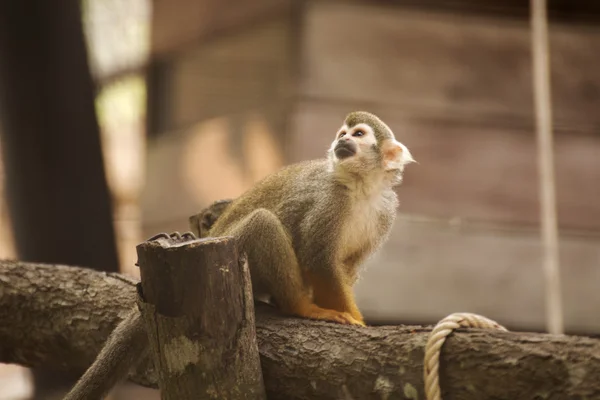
342,134
358,133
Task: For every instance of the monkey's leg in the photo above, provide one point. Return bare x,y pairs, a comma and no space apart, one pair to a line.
274,266
331,291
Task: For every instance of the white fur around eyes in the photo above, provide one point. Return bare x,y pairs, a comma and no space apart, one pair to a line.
343,128
402,157
368,137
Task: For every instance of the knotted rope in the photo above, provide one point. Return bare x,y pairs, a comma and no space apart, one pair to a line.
436,340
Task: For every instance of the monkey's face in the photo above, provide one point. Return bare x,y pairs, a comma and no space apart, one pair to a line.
353,143
359,144
365,144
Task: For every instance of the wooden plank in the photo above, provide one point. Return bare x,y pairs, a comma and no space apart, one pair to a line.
430,269
179,23
468,171
228,75
215,159
223,110
446,65
568,11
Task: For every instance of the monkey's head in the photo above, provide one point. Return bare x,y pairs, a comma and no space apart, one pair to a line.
365,144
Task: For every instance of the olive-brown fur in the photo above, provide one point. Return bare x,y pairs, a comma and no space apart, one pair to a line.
312,203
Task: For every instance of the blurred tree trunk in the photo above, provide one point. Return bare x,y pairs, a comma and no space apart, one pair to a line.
55,183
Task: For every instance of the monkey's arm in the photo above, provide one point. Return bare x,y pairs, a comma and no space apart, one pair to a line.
124,348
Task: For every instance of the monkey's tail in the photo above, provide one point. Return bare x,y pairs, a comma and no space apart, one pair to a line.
122,350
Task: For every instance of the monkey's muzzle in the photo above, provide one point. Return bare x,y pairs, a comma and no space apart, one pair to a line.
344,149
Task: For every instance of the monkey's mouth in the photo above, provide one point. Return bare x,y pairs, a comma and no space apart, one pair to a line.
344,150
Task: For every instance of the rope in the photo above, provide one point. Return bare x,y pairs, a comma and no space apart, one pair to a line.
548,213
438,336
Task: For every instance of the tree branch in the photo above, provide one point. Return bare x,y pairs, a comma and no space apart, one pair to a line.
59,316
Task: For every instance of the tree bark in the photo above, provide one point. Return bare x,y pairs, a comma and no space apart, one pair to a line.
55,315
199,315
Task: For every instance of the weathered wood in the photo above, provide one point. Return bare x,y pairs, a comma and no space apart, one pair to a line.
443,65
179,23
199,316
47,331
246,147
461,98
60,316
432,267
581,11
253,64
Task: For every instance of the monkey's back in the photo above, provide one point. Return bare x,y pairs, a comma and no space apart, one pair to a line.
289,194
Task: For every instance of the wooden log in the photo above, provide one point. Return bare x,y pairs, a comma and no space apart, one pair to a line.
199,314
60,316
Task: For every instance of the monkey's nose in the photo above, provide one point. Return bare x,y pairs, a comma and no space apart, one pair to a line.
345,149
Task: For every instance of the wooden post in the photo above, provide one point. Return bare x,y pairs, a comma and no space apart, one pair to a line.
198,308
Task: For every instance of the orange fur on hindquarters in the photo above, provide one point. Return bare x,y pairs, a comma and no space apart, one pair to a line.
310,310
334,294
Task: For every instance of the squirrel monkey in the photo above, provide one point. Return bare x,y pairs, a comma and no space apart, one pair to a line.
308,227
305,230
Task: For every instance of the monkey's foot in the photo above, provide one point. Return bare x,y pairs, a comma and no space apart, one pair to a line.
315,312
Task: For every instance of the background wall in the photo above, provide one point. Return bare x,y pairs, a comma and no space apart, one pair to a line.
453,80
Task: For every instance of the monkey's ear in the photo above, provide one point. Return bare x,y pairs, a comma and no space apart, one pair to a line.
395,155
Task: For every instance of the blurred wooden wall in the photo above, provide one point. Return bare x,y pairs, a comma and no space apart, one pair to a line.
238,89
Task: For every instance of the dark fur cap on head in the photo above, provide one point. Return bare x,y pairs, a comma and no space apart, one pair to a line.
381,130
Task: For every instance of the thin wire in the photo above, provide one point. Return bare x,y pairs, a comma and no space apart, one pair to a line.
543,112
